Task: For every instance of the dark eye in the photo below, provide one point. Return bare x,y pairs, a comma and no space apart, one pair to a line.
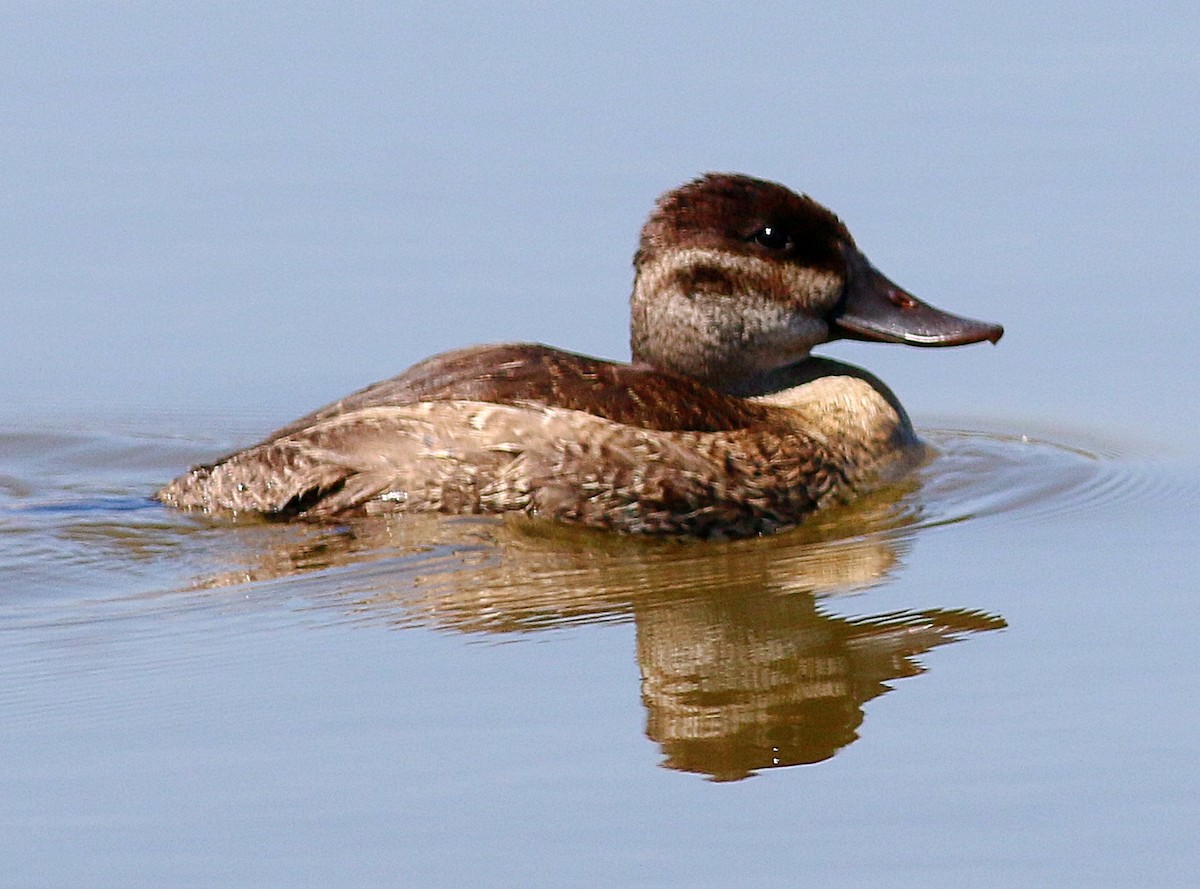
773,237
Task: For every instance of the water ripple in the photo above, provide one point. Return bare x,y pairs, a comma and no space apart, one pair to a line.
986,476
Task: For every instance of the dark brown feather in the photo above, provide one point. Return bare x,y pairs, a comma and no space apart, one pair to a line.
529,373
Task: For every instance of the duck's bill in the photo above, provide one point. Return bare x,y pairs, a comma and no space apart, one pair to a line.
874,308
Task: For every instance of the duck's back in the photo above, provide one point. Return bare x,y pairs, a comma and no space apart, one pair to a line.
530,373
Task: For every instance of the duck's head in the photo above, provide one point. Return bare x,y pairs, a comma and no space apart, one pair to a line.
738,278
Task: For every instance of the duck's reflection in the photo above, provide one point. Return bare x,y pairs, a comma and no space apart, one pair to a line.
736,684
744,666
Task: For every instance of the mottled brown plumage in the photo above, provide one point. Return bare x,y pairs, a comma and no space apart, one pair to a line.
723,425
515,373
475,457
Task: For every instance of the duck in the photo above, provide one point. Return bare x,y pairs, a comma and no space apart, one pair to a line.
723,424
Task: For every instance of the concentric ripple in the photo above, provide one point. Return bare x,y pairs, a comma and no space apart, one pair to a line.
976,475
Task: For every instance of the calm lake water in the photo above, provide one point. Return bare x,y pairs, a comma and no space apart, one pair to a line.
985,676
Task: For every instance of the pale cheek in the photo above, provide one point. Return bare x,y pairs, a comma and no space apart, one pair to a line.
771,322
810,331
822,291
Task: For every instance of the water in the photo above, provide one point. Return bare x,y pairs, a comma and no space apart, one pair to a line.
193,702
982,677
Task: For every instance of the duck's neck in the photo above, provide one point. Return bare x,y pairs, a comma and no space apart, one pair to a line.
853,411
783,379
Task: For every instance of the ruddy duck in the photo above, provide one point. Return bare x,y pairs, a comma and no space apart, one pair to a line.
722,426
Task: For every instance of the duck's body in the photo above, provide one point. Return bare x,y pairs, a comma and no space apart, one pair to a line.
570,438
723,426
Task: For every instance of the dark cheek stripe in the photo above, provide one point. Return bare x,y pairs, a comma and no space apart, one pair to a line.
703,278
